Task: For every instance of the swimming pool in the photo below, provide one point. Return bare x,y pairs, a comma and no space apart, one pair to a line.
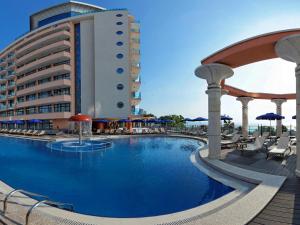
135,177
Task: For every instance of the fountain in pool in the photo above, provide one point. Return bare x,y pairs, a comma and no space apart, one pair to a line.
83,123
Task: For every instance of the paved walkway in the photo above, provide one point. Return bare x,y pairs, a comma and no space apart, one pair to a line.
285,206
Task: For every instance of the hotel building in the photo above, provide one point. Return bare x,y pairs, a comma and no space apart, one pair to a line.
76,58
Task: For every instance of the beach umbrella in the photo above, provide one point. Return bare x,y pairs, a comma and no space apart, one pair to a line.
166,121
152,121
19,122
138,121
294,117
200,119
225,117
124,121
101,121
270,117
188,119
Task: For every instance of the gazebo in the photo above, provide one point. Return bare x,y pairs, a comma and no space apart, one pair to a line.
216,68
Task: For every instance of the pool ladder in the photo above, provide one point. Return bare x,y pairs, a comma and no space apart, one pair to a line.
64,206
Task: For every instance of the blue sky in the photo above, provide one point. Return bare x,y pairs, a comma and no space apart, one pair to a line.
176,35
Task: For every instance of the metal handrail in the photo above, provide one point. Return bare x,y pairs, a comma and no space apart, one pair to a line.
47,202
10,194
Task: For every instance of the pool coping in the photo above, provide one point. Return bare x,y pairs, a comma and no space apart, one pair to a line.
237,207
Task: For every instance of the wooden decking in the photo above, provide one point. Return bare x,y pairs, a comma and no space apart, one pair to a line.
285,206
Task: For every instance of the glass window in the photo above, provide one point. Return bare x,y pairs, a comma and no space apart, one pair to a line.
120,105
119,32
45,80
119,23
20,112
30,110
31,84
119,43
45,109
65,76
120,56
30,97
62,91
120,70
63,107
20,99
45,94
120,86
119,15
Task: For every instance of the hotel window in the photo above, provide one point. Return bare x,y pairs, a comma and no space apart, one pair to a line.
120,70
45,109
44,94
20,99
65,76
30,97
120,105
21,87
62,91
67,62
120,56
63,107
119,43
10,113
30,110
45,80
3,114
120,86
31,84
20,112
119,23
119,32
119,15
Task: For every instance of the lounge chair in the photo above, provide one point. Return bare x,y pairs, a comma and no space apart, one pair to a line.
281,148
229,136
255,147
119,131
253,136
106,131
28,132
33,133
41,133
233,142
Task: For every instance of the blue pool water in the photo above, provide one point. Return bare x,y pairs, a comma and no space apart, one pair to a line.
136,177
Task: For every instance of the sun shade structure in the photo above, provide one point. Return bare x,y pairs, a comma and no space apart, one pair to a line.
225,117
101,121
270,116
124,121
35,121
218,67
200,119
138,121
188,119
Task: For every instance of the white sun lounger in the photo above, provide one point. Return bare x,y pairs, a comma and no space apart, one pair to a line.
281,148
258,145
235,139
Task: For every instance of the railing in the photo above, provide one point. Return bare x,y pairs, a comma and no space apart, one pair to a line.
137,95
45,201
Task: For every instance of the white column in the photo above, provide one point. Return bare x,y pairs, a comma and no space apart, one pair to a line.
278,103
245,101
288,48
214,73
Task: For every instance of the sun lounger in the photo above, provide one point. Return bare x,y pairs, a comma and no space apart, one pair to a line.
40,133
229,136
281,148
119,131
255,147
233,142
28,132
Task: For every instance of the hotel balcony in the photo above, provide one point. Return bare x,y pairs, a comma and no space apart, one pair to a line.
53,58
2,97
3,108
136,112
3,88
46,86
2,62
43,101
135,70
55,70
136,98
11,95
55,37
135,27
45,116
3,71
58,46
135,86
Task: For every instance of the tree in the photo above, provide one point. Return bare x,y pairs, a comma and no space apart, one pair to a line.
177,120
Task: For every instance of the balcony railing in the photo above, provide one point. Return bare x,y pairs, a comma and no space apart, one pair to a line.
137,95
2,88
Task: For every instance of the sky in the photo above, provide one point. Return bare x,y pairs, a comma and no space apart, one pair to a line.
176,35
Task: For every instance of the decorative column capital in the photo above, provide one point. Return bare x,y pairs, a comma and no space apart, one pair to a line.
213,73
288,48
278,101
244,100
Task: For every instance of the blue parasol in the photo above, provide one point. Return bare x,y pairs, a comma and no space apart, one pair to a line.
101,121
225,117
200,119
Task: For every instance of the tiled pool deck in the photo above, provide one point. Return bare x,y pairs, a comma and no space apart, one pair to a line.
284,208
